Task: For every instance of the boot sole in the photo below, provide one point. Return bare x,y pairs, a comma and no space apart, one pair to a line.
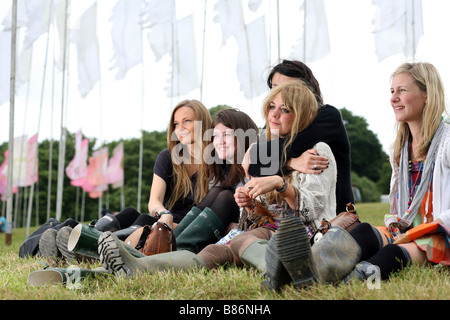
277,275
48,248
62,238
294,251
110,257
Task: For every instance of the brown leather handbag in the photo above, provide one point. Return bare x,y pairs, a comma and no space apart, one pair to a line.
347,220
154,239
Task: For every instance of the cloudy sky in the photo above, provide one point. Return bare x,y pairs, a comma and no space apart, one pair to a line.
350,76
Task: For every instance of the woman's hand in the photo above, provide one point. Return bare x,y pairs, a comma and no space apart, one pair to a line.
308,162
258,186
242,198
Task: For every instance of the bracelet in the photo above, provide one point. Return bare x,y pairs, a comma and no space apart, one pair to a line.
160,214
285,184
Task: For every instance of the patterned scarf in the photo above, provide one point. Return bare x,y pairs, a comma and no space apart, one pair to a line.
405,218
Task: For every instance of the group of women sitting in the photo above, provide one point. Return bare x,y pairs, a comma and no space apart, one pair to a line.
232,195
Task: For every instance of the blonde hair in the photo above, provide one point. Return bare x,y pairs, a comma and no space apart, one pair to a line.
428,80
300,100
182,181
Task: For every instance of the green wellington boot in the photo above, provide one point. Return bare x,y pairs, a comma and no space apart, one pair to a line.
255,255
83,240
188,218
205,229
116,258
328,261
65,276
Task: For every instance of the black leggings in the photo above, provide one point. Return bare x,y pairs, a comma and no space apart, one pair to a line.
390,258
221,201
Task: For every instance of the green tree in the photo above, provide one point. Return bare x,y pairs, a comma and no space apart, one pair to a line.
367,154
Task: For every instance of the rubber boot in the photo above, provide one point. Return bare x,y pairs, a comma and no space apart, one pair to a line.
205,229
69,276
328,261
188,218
276,275
255,255
108,223
83,240
116,258
362,272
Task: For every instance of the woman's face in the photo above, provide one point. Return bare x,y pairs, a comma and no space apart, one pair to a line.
279,117
223,141
279,78
183,122
407,100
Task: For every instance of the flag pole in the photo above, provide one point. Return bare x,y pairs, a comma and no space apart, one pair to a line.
8,235
62,141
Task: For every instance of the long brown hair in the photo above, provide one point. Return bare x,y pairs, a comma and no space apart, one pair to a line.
234,119
182,181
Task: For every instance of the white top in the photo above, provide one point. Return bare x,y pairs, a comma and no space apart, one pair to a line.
318,191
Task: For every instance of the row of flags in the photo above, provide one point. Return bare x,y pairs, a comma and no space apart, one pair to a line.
92,174
398,27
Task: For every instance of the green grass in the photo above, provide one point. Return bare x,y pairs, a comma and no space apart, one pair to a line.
221,284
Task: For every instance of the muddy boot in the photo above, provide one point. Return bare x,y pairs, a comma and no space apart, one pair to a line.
117,259
328,261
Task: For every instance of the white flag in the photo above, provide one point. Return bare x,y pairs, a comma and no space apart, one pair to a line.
315,42
159,17
185,76
38,19
126,35
85,38
5,66
398,27
230,17
253,58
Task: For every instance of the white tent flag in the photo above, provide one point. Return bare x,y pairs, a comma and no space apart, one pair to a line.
398,27
315,41
85,38
253,58
185,77
126,35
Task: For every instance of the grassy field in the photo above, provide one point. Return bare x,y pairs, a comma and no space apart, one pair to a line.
222,284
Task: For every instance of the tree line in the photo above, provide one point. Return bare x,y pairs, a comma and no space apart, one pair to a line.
370,172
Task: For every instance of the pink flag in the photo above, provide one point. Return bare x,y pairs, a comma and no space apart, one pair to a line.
32,161
76,170
95,182
4,179
114,173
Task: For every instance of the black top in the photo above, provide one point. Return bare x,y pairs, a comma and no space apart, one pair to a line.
327,127
164,169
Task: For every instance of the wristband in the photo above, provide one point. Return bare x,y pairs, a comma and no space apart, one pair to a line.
284,187
165,212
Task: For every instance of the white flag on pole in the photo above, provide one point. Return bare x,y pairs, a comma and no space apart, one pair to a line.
38,19
315,41
85,38
398,26
253,58
185,76
126,35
